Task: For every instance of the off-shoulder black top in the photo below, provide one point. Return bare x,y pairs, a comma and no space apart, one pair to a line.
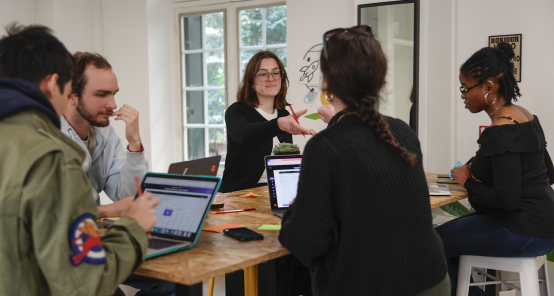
515,173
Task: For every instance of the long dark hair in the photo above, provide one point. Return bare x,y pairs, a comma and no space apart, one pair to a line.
355,72
494,62
247,95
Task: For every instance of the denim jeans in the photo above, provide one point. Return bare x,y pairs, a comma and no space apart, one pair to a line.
479,235
148,286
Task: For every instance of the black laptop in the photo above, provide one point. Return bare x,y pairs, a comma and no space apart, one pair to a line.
199,167
282,180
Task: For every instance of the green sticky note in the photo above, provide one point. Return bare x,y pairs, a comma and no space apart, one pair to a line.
269,227
313,116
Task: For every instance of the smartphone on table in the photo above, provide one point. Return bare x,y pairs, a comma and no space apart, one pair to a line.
243,234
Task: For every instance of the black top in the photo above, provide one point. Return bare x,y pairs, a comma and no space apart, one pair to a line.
362,217
249,140
515,174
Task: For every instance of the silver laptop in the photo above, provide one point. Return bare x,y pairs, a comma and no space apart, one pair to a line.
207,166
283,172
185,202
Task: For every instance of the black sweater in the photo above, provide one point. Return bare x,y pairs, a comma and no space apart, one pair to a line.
515,174
249,140
362,217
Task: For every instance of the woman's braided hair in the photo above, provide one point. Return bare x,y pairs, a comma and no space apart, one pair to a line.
355,72
494,62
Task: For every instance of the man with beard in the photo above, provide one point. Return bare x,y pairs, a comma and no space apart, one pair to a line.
110,166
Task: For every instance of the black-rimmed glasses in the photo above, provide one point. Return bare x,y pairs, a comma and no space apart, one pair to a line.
263,75
464,90
338,31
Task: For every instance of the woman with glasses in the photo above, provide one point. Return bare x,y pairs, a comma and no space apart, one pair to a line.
257,122
361,219
508,180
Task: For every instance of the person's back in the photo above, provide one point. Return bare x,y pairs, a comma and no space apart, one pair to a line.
51,245
381,210
361,219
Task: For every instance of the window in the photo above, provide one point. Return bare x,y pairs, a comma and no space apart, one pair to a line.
203,67
203,58
262,29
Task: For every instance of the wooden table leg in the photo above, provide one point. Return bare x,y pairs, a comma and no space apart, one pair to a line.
184,290
251,280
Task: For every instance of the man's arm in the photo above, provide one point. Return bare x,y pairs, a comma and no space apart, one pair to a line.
60,215
114,209
127,163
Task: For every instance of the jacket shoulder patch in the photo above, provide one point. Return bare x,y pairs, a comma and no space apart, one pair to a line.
85,241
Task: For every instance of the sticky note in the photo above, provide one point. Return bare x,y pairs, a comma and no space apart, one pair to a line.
219,228
227,202
249,194
313,116
455,166
269,227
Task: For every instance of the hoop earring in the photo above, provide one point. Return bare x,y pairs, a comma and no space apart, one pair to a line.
488,102
328,99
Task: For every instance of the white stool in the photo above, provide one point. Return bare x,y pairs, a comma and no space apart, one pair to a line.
533,275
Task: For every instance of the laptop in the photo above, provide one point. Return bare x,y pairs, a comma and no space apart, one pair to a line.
185,202
203,166
283,172
438,189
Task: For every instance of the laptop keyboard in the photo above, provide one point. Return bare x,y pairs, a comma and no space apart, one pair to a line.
157,244
279,213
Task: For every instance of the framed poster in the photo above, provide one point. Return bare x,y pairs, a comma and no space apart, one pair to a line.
515,41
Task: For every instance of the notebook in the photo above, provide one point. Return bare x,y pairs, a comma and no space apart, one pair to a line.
283,172
185,202
207,166
438,189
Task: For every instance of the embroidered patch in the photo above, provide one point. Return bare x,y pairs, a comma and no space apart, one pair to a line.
85,242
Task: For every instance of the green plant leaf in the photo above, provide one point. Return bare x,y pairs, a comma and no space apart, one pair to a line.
313,116
455,209
550,256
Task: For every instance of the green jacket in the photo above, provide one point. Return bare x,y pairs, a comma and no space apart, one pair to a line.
48,247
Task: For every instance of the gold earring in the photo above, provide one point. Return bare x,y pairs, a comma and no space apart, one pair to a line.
328,99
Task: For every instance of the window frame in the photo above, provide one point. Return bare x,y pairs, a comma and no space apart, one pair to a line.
231,51
205,88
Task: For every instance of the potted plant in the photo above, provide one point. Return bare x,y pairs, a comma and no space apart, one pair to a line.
286,148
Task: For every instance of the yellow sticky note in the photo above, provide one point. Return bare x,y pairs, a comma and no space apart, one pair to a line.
269,227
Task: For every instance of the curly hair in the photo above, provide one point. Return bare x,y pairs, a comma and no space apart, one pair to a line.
355,71
247,95
494,62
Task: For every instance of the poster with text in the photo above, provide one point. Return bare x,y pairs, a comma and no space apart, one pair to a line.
515,42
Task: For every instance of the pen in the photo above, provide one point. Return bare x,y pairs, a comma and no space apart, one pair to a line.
139,191
234,211
295,118
470,160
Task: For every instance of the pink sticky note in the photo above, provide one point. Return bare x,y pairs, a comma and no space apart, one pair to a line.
227,202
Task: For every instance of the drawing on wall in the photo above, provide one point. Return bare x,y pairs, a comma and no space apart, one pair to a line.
309,67
308,72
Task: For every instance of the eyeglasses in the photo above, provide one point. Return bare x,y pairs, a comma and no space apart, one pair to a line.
338,31
464,90
263,75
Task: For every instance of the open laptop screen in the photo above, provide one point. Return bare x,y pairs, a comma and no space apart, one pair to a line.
183,204
282,175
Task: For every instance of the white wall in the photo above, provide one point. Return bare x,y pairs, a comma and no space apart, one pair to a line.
307,20
164,118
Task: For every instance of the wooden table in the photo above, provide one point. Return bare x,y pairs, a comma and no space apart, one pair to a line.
216,254
458,193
